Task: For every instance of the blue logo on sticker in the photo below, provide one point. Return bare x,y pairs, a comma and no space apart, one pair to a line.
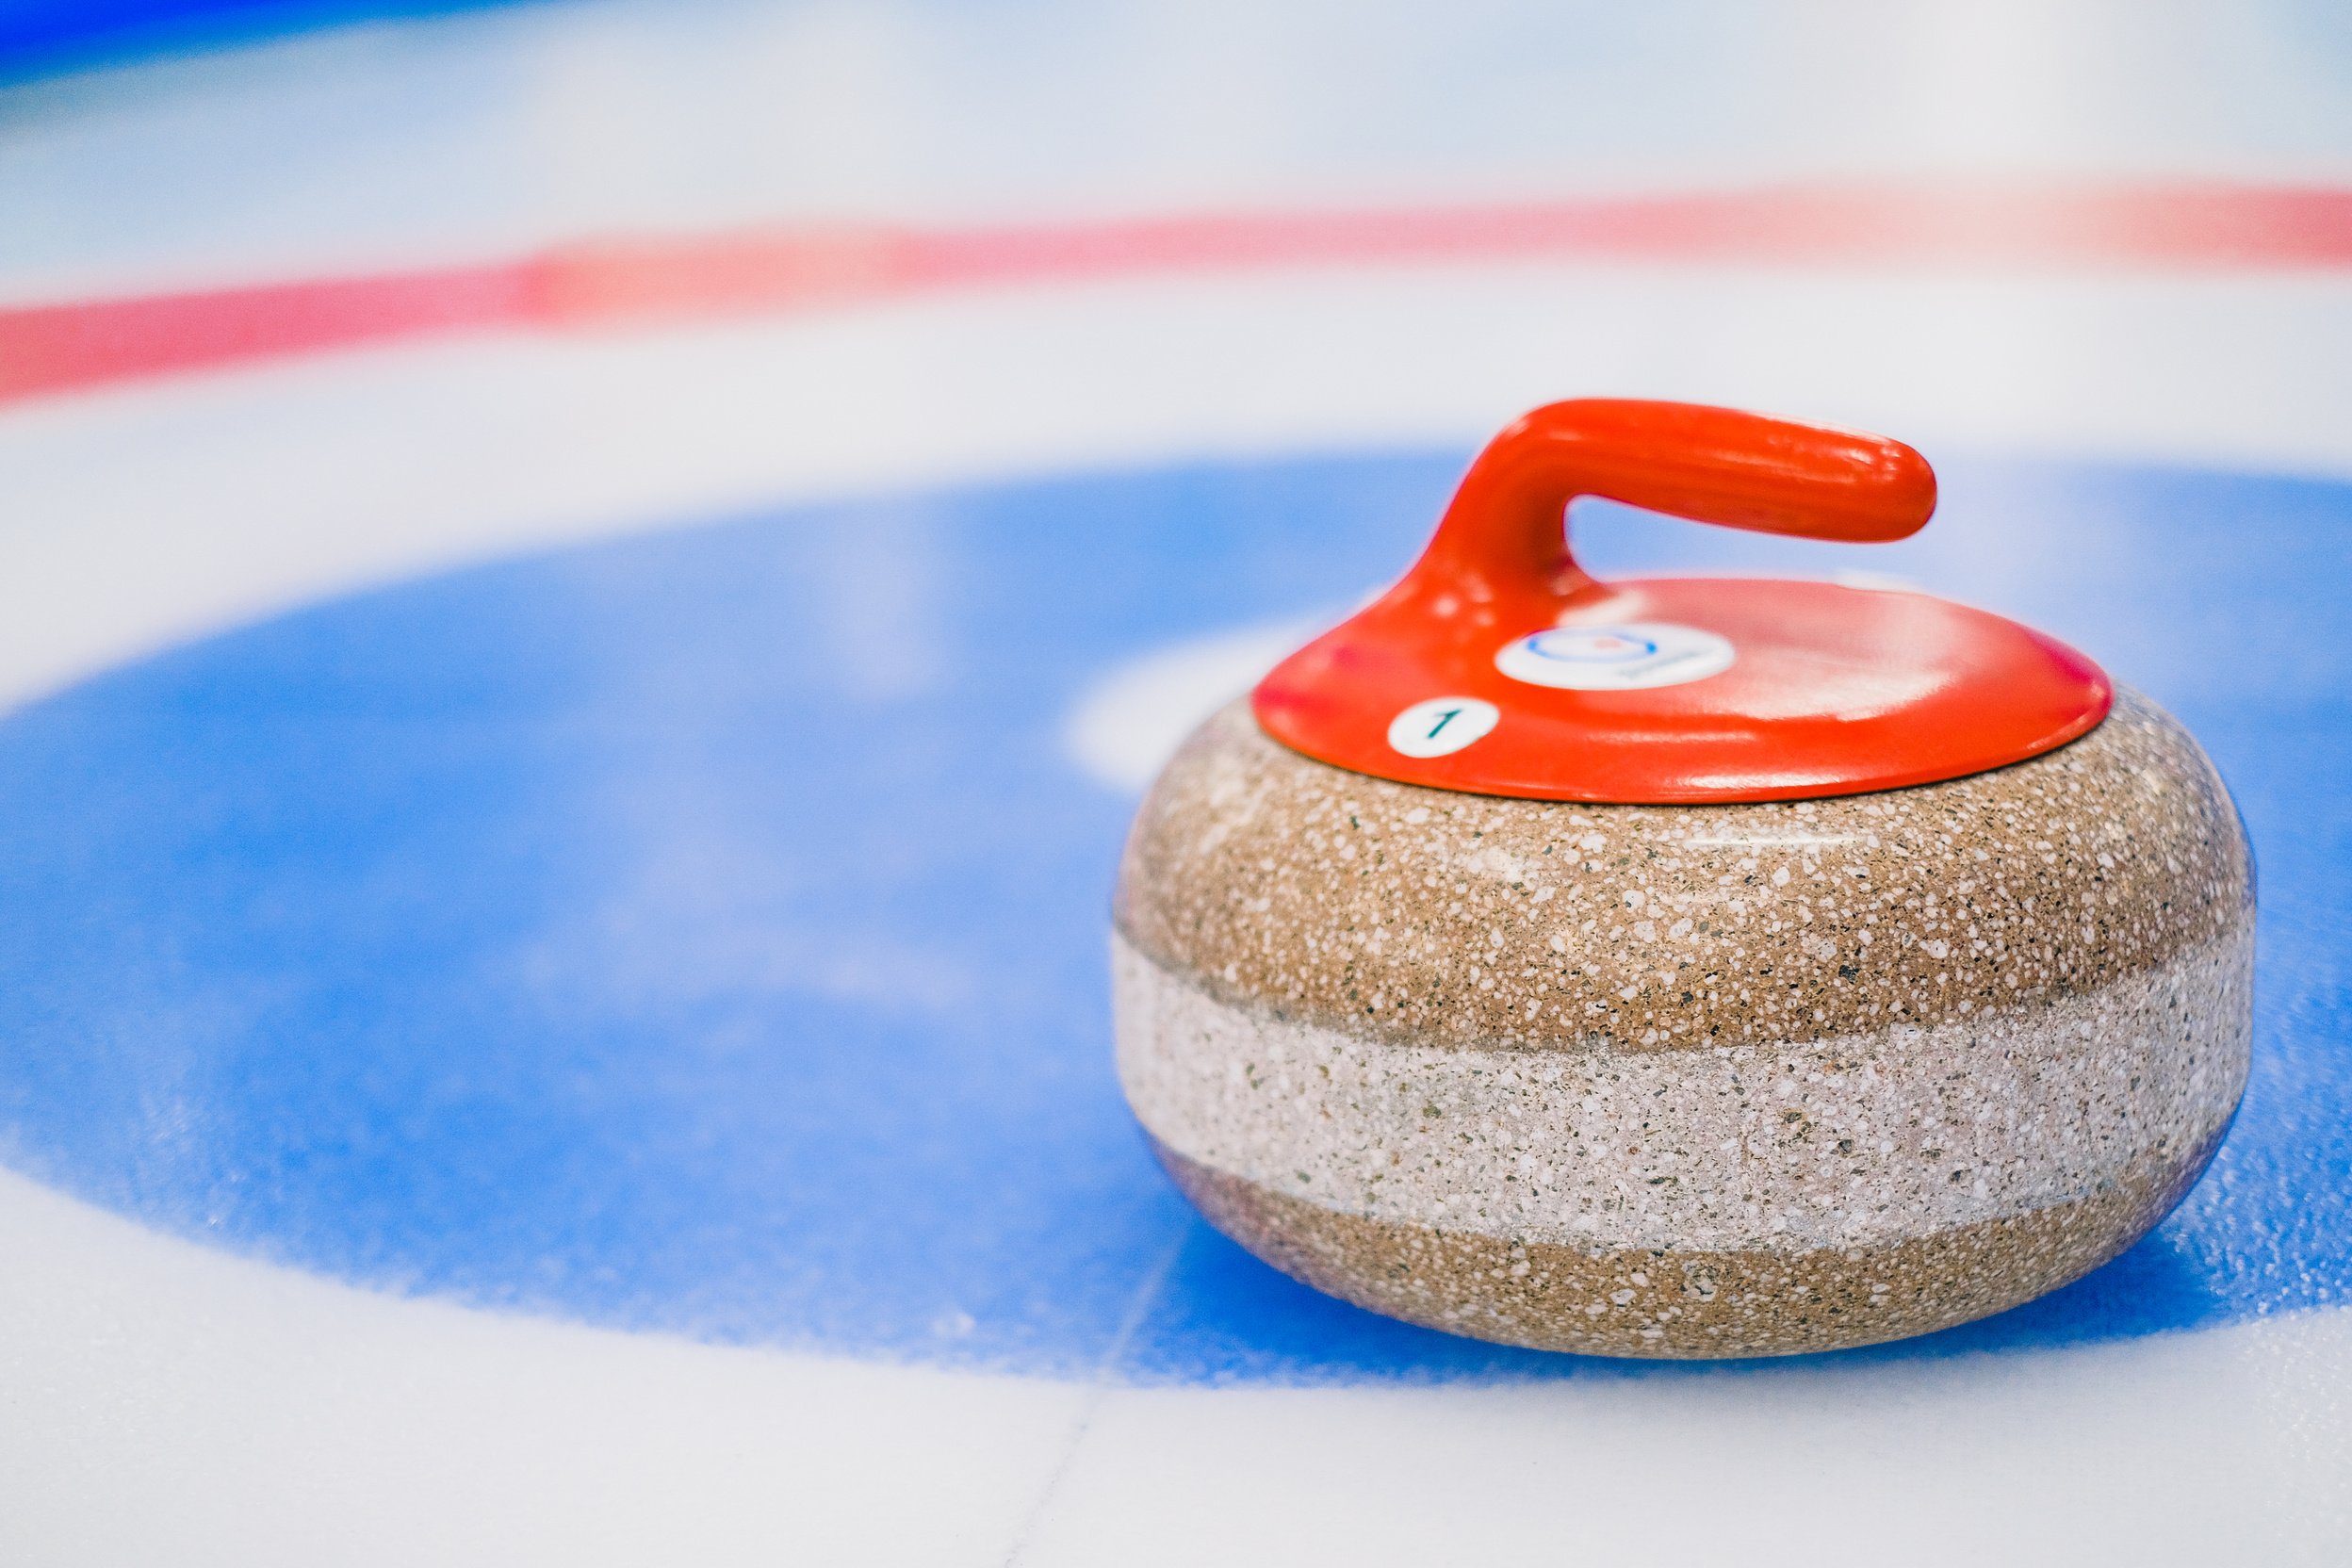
1595,645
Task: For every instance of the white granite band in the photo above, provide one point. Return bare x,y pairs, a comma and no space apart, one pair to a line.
1845,1142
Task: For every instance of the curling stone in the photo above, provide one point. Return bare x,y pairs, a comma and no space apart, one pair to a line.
1684,968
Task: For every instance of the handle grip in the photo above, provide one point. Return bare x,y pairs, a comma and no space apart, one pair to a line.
1505,524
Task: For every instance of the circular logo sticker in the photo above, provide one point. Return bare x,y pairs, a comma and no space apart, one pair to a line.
1615,657
1440,725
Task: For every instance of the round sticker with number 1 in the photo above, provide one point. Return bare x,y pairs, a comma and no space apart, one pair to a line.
1440,725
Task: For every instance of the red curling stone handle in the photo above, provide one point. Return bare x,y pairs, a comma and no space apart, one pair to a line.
1505,525
1497,666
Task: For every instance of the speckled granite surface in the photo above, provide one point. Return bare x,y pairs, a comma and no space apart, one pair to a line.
1921,1054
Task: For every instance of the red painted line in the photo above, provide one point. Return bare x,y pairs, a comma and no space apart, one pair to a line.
59,348
52,348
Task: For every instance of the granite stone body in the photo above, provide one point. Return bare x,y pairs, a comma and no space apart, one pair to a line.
1688,1081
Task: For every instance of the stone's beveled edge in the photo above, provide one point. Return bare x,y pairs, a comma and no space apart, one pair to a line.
1865,1141
1677,1304
1398,912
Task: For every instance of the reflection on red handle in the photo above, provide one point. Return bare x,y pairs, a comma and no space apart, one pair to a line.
1505,531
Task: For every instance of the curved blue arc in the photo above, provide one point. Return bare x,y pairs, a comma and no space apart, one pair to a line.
705,932
44,37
